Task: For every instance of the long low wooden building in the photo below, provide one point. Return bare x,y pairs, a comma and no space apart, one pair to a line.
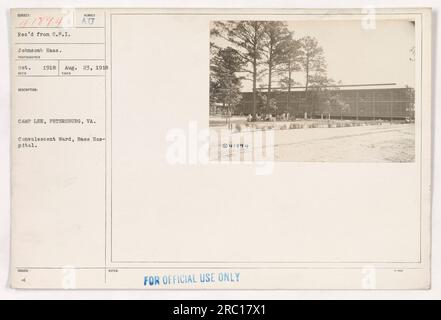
368,101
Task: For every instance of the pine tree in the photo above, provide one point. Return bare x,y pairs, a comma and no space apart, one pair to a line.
247,37
313,64
224,83
276,34
291,58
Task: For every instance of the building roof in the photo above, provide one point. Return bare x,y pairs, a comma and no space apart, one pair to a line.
370,86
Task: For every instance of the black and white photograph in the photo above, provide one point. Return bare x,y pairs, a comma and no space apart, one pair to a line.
318,90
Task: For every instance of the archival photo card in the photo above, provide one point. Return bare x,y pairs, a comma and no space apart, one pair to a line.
221,148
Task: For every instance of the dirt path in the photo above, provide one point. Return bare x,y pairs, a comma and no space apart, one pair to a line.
379,143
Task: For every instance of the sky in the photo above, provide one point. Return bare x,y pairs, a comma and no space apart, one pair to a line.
358,55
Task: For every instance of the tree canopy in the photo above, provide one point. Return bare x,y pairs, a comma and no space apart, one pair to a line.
263,52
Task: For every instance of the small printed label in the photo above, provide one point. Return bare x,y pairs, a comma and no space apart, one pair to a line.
191,278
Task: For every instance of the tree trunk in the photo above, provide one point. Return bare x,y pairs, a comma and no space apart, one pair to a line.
268,102
289,86
307,75
270,69
307,80
254,81
226,113
254,86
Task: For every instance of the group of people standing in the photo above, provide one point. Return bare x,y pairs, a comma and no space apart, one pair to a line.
268,117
